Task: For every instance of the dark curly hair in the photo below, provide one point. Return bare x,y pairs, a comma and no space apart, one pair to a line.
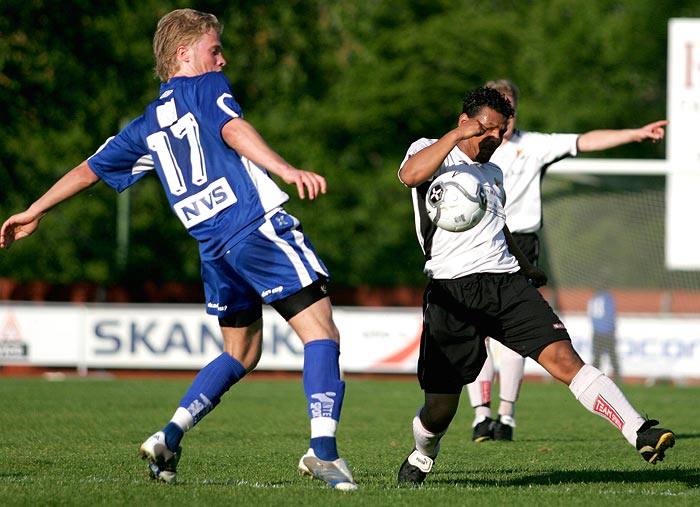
476,99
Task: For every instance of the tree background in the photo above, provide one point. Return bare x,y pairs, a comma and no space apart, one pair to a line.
340,88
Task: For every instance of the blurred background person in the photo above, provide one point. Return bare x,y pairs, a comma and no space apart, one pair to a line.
602,312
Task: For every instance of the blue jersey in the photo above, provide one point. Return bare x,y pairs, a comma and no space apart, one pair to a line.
603,313
219,196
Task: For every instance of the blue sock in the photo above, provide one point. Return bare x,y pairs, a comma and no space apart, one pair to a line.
210,384
324,392
324,448
173,435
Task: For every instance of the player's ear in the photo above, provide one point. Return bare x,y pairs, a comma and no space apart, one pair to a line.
183,53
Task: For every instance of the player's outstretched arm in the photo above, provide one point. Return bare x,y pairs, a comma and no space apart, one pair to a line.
245,139
596,140
23,224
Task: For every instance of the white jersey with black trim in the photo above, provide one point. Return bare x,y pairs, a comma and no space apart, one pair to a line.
483,248
524,159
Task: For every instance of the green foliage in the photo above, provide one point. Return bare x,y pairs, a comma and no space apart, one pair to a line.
341,88
74,443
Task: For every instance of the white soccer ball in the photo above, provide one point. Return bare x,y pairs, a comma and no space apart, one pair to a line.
456,201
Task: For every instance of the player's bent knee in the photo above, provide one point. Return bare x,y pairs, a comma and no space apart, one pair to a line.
560,359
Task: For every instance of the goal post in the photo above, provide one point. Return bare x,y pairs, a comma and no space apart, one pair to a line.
683,144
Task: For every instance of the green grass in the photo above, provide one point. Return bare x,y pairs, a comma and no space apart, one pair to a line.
74,443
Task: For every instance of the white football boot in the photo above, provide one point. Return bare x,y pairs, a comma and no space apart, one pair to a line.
335,473
162,462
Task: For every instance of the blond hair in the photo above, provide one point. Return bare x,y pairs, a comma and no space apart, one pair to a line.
181,27
506,87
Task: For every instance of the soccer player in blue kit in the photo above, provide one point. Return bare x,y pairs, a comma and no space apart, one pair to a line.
213,166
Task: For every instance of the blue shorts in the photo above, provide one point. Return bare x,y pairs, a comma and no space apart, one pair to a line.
272,263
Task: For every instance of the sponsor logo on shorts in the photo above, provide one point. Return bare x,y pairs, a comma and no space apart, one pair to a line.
269,292
558,325
217,307
604,408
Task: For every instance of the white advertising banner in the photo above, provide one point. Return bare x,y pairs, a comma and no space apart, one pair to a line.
647,346
374,340
150,336
185,337
379,339
41,334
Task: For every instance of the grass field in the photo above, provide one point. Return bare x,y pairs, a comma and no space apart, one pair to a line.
74,443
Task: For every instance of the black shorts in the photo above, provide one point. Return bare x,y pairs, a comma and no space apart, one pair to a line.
459,314
529,245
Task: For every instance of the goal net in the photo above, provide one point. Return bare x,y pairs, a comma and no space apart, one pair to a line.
604,227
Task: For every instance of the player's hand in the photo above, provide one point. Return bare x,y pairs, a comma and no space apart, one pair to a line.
654,131
535,276
17,227
306,182
471,127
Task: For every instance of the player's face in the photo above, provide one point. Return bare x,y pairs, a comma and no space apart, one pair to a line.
204,56
480,148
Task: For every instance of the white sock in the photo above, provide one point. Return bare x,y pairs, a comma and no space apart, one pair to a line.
511,375
601,396
507,409
482,412
427,442
480,390
183,419
323,427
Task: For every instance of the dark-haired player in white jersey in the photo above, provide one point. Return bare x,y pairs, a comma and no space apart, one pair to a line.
524,158
480,284
213,166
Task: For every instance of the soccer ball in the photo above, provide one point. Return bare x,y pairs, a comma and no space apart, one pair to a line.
456,201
